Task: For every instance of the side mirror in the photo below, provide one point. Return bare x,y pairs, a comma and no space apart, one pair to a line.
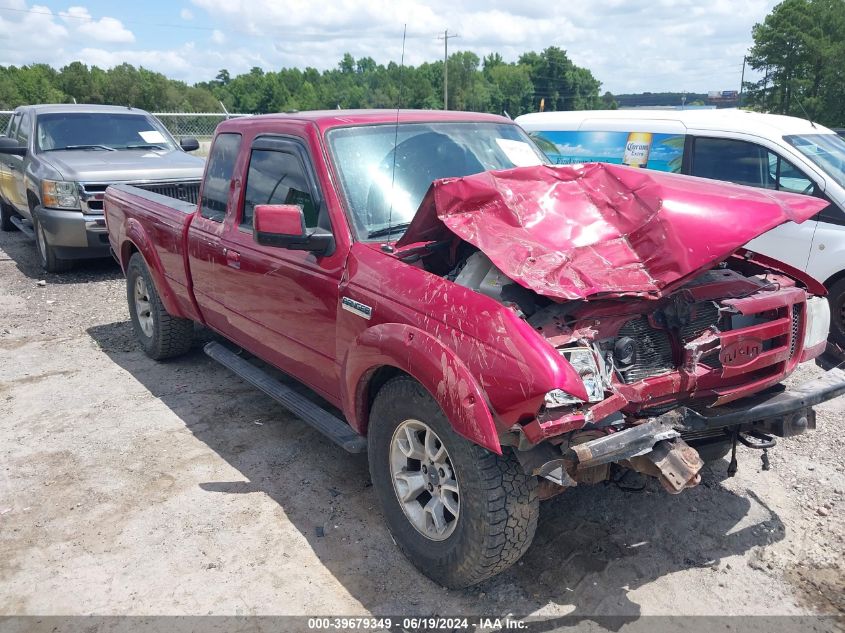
11,146
283,225
189,144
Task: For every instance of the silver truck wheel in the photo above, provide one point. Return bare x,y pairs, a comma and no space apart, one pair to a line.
424,480
142,306
46,253
459,512
160,334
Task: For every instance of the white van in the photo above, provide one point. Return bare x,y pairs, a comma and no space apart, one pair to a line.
748,148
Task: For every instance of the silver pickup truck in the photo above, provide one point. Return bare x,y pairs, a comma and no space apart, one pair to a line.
57,160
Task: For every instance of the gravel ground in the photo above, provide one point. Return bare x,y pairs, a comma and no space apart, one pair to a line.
135,487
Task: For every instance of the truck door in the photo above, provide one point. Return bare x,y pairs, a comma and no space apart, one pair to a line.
283,303
746,163
17,167
220,193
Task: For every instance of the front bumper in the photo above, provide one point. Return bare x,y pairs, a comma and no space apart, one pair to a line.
768,410
73,234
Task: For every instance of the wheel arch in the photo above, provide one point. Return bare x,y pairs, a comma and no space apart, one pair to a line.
137,241
391,349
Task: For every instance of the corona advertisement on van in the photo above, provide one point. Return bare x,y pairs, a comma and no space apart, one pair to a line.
663,152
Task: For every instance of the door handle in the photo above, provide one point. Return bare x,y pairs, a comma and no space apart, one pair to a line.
233,258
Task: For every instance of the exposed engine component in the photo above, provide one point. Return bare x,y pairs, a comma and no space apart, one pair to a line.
478,273
652,354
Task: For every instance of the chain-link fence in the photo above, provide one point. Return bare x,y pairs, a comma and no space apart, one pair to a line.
200,125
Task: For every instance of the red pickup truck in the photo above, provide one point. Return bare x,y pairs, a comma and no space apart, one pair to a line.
489,328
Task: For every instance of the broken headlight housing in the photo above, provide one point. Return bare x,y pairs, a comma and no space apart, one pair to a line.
586,364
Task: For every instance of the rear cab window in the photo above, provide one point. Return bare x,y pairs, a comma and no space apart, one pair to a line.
218,176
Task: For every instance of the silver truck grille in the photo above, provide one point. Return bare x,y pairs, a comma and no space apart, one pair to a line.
92,194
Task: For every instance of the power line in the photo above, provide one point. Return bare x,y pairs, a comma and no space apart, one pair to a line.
445,39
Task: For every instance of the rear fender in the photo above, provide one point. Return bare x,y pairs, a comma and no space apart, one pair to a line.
137,236
433,365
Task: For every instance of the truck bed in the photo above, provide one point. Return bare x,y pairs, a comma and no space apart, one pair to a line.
161,222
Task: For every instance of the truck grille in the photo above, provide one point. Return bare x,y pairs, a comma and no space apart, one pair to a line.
92,194
779,331
185,191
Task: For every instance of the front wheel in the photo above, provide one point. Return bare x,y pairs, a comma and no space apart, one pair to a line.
836,300
50,262
460,513
160,334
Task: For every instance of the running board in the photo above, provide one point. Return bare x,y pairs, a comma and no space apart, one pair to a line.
314,415
24,226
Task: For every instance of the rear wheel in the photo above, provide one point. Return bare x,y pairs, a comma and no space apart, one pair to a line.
6,214
50,262
460,513
160,334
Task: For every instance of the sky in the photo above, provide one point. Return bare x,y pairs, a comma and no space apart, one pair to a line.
630,46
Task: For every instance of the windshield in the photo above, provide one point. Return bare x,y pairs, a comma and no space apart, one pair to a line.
385,186
827,151
100,131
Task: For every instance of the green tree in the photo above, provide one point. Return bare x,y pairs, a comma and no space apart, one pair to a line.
799,49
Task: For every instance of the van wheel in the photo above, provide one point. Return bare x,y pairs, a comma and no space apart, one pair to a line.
50,262
460,513
6,218
836,300
160,334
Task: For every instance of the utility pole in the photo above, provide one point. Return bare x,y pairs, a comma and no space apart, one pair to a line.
445,37
742,80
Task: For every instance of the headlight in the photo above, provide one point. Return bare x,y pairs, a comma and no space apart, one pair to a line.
583,361
817,325
59,194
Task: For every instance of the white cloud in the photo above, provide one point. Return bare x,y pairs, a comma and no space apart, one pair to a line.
107,29
629,46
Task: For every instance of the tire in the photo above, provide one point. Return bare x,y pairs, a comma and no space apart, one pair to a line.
836,300
6,214
497,505
46,253
160,334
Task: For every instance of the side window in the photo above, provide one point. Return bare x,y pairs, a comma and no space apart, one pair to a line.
732,160
747,164
12,130
277,177
790,178
218,177
24,127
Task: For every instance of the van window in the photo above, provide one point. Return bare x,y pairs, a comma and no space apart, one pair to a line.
663,152
746,163
218,177
825,150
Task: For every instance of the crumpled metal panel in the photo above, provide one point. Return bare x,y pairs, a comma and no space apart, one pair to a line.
599,230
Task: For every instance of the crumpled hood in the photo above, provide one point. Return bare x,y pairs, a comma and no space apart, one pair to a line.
578,231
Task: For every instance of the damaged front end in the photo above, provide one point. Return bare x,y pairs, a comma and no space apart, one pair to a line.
680,339
700,367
